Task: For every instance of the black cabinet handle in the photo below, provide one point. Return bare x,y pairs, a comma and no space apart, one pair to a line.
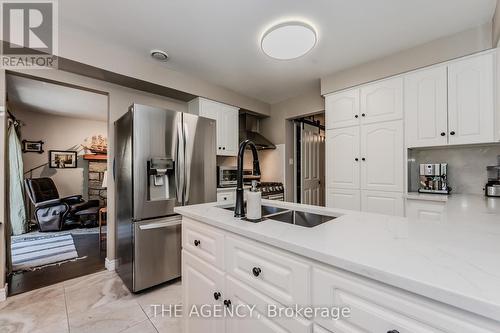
363,159
356,159
356,116
393,331
197,242
217,295
363,115
227,302
220,148
256,271
223,148
452,132
443,133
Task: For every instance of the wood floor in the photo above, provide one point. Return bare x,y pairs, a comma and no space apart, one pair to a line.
86,245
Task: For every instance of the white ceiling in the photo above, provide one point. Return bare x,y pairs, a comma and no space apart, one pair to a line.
40,96
218,40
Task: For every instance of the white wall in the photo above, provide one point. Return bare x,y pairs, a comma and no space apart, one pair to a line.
443,49
58,133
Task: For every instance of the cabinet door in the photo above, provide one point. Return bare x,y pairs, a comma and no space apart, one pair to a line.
342,109
200,283
426,108
229,131
342,158
382,101
343,199
471,103
244,298
382,152
388,203
211,109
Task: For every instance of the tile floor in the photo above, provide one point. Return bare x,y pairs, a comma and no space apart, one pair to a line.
94,303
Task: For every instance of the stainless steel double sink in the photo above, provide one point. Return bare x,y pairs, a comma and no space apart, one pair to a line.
296,217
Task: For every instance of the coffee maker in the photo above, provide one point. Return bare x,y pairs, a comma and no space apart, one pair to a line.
492,188
434,178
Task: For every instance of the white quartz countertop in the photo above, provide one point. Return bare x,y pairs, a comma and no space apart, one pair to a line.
456,262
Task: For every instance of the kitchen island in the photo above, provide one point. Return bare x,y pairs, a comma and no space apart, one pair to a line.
395,274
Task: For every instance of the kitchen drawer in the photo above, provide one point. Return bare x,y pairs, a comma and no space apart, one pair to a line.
229,196
421,210
203,241
272,272
242,295
379,308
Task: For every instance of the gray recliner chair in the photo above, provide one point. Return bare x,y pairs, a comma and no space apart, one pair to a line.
52,212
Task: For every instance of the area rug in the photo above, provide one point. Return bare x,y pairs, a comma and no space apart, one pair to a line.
38,252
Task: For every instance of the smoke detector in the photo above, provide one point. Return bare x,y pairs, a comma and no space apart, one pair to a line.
159,55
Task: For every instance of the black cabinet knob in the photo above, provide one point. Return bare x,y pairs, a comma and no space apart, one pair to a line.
256,271
363,115
356,116
393,331
452,132
217,295
227,302
223,148
443,133
220,148
356,159
363,159
197,242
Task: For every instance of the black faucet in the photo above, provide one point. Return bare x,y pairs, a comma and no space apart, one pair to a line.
239,209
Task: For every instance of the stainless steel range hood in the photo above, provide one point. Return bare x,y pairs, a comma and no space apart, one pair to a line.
249,129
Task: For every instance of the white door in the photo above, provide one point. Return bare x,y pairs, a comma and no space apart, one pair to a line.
426,108
313,146
389,203
202,283
343,158
382,101
254,309
471,102
342,109
343,199
229,128
382,152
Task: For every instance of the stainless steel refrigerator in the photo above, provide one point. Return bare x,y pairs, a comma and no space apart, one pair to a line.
163,159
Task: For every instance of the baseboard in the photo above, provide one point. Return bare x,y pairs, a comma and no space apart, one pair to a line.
110,264
3,293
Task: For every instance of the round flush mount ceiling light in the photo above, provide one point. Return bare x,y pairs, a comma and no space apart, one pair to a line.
288,40
159,55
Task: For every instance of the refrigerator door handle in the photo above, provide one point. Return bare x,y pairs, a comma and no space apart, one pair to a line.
179,168
187,167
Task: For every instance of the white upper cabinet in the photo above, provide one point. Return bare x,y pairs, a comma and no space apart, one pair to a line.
342,109
226,117
382,101
471,100
342,158
382,151
426,108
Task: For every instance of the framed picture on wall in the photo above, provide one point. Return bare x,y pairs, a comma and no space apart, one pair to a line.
62,159
32,146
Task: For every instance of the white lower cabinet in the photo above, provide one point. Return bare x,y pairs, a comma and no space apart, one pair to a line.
424,210
285,279
343,199
389,203
259,312
202,283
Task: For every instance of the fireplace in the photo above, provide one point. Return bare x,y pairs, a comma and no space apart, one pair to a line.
97,165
